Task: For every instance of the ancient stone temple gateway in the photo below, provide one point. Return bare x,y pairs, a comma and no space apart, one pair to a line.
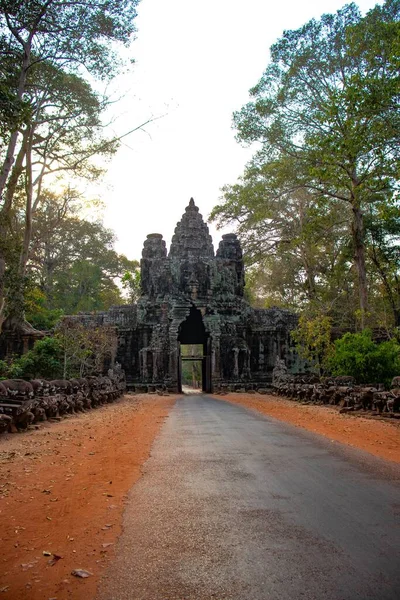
193,296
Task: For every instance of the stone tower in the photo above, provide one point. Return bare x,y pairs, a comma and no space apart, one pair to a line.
193,296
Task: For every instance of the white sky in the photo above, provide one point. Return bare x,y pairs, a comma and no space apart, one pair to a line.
195,62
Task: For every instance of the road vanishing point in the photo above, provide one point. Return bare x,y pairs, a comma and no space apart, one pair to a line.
233,504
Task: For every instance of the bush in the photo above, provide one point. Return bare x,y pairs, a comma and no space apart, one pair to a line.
44,360
357,354
4,368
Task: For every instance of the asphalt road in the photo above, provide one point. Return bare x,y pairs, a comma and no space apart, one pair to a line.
236,505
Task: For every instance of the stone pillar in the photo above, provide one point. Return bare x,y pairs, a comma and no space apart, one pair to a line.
143,365
173,355
216,361
236,363
155,366
230,264
152,266
261,356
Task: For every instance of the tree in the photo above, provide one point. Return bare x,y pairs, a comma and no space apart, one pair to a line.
313,339
297,247
37,312
70,34
86,350
131,283
329,101
383,254
54,118
74,351
73,261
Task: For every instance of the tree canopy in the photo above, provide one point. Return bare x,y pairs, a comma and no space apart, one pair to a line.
52,125
317,207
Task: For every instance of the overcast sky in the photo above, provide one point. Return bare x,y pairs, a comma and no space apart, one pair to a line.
195,62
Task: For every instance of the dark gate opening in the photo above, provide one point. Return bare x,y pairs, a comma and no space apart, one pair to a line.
194,346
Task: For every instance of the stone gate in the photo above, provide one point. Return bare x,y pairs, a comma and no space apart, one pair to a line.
192,295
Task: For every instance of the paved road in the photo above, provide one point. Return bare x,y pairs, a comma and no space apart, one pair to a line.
236,505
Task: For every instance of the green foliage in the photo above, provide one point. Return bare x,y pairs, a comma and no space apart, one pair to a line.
74,351
191,373
43,361
36,311
192,369
313,340
13,112
325,115
357,354
131,285
51,117
296,246
73,33
4,368
73,262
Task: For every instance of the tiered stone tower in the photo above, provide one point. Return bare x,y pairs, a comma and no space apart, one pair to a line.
194,296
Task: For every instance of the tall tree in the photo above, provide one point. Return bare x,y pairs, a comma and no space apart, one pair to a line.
72,260
296,245
329,101
68,34
54,117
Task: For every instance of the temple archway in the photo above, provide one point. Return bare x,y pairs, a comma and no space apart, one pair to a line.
194,345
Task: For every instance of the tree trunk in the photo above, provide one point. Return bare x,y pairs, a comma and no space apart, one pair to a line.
16,303
359,259
28,210
5,222
4,174
2,287
10,153
305,249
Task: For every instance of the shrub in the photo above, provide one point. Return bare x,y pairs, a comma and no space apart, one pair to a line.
357,354
44,360
4,368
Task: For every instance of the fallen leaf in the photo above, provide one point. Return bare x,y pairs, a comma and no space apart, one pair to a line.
46,553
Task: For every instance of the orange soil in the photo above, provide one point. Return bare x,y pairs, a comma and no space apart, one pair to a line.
62,491
380,438
63,487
